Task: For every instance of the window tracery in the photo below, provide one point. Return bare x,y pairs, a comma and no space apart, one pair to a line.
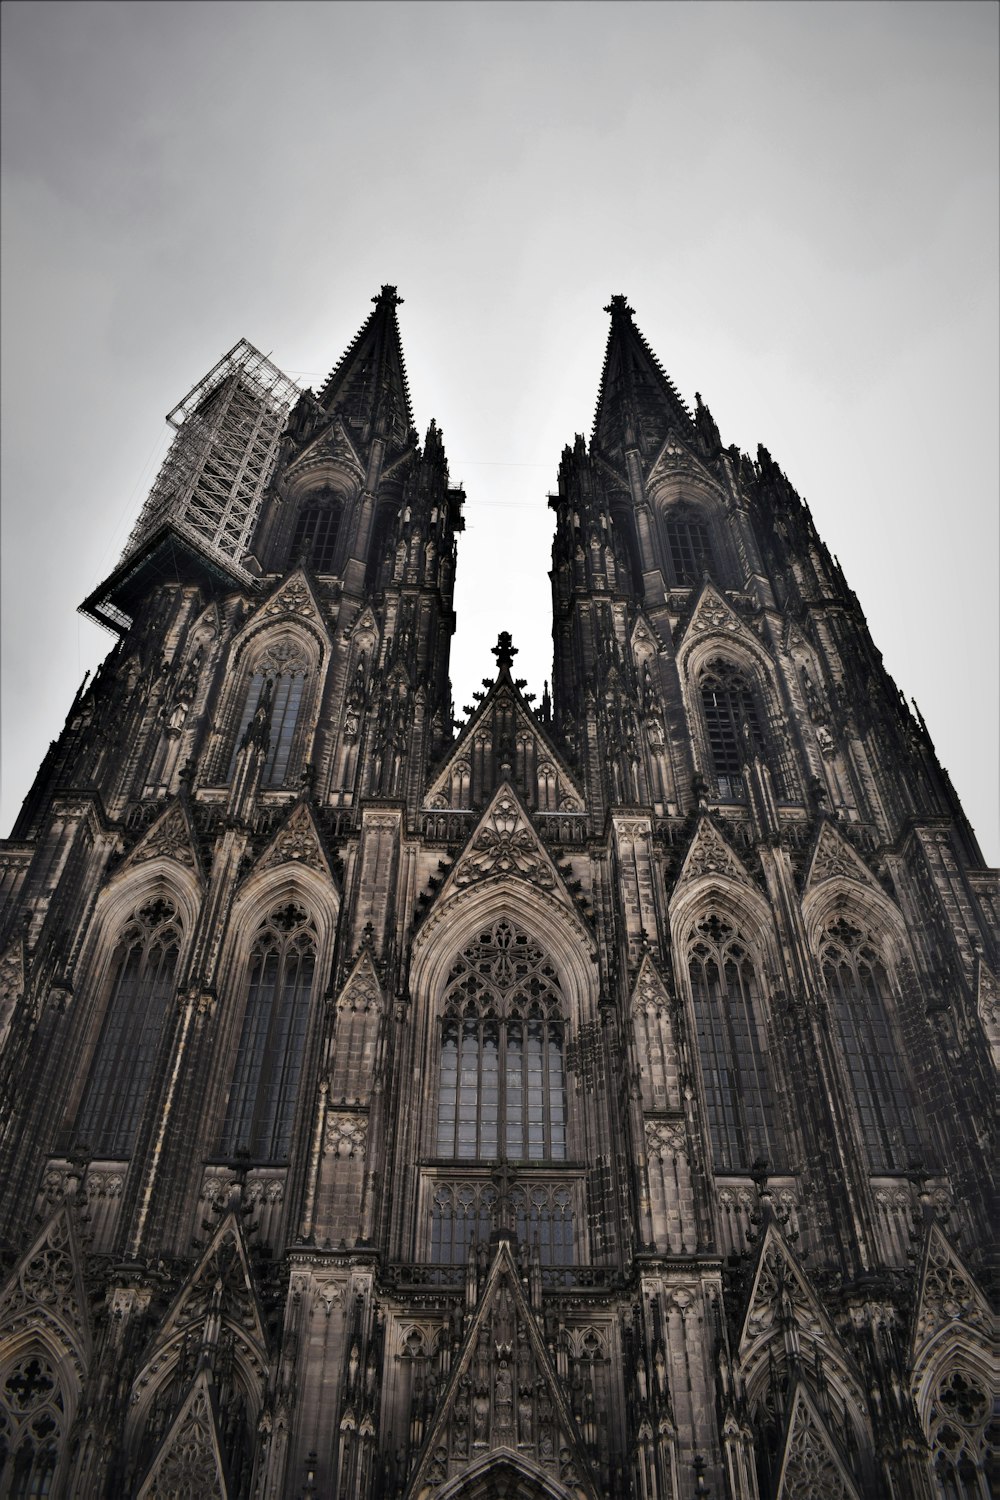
143,967
277,687
858,984
964,1435
32,1417
502,1087
726,997
317,526
265,1085
733,724
689,545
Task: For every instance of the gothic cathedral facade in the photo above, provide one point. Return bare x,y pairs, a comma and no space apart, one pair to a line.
579,1100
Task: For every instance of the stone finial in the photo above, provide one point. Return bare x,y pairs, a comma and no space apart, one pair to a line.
504,651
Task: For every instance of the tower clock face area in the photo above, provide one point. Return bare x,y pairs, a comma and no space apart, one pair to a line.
578,1098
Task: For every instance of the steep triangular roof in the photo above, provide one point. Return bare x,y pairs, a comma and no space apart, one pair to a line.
637,402
293,598
297,841
362,989
504,1402
650,988
709,853
947,1295
189,1460
223,1277
368,384
171,836
811,1464
712,614
505,699
833,856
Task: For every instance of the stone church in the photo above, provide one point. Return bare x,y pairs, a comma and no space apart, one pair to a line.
575,1099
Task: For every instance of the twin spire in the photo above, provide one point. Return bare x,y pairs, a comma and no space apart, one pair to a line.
637,402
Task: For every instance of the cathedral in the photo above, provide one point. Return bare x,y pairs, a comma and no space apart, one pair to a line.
576,1099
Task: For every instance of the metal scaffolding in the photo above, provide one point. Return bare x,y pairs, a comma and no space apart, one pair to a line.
212,482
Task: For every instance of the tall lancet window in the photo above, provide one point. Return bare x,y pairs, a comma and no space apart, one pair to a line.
733,725
265,1086
314,540
502,1087
277,688
689,545
858,985
738,1096
142,992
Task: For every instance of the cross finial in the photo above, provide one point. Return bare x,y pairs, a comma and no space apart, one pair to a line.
389,296
504,651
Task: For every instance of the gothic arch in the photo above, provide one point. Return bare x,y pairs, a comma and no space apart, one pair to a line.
693,535
953,1386
866,905
41,1381
505,1476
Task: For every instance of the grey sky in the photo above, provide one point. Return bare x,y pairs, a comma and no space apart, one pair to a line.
800,202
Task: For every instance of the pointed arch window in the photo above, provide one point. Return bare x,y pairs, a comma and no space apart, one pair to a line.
265,1086
739,1100
32,1419
962,1436
689,545
733,725
317,527
276,688
144,966
857,983
502,1084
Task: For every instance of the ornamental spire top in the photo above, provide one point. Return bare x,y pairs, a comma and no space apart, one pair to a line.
368,385
637,402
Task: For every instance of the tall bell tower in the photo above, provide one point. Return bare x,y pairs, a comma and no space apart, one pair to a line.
574,1102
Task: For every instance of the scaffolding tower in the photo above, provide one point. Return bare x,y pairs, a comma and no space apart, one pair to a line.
210,488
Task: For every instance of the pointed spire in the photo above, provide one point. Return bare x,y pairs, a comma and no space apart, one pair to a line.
368,385
637,401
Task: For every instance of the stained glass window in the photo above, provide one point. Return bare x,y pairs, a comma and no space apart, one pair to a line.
141,996
858,984
268,1070
738,1097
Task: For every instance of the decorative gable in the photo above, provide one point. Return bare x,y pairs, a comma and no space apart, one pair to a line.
294,599
811,1464
710,854
947,1296
503,738
780,1293
221,1285
834,857
505,845
503,1404
189,1462
297,841
46,1289
714,615
650,991
172,837
362,990
677,457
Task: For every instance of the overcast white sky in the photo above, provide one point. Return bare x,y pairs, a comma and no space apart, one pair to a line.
800,202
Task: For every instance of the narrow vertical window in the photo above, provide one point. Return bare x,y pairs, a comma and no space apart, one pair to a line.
689,545
738,1097
314,540
141,994
265,1086
733,726
858,985
283,673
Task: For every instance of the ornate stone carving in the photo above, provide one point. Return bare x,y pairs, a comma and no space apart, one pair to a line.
709,854
293,598
296,841
170,837
188,1466
665,1138
505,844
834,857
948,1294
810,1465
346,1133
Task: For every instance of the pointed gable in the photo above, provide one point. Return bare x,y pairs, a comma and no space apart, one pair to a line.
189,1461
780,1292
294,598
637,402
171,836
710,854
714,615
46,1288
503,1403
650,990
362,989
811,1465
504,845
223,1284
834,857
505,723
297,841
368,385
947,1296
